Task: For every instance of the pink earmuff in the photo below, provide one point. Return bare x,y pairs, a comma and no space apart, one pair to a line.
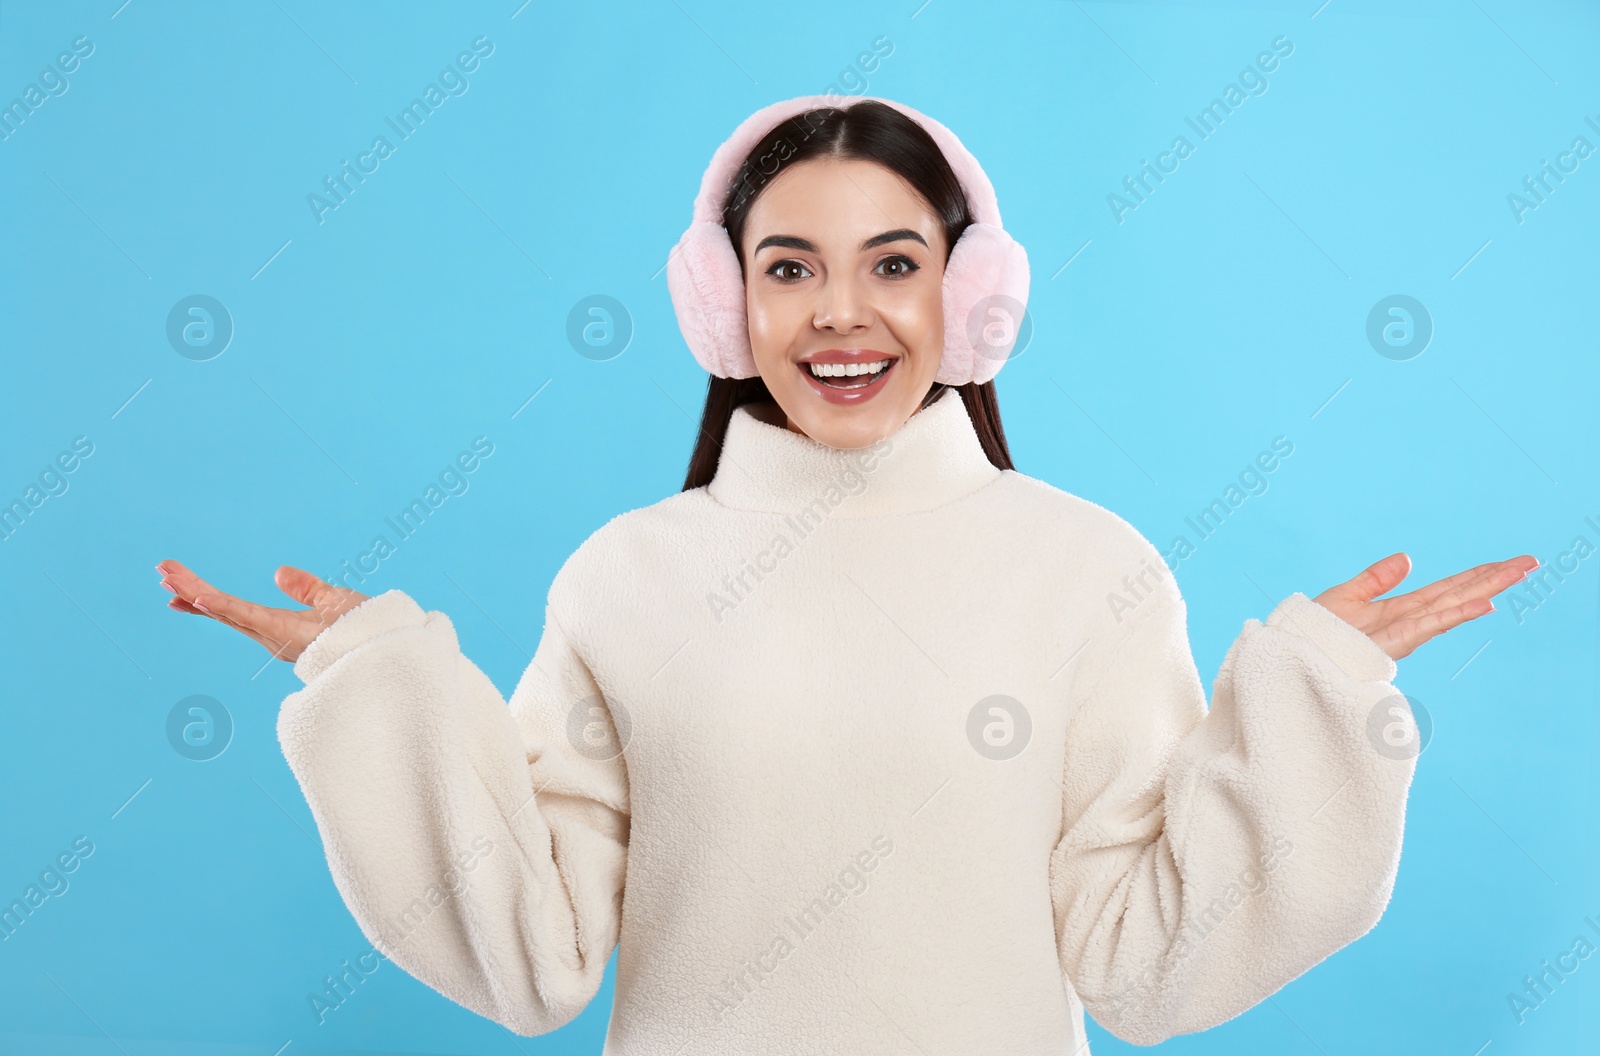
985,281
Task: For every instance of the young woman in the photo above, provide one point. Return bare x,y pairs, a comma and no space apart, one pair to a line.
864,742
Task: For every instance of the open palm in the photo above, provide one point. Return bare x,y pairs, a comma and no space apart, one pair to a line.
1399,624
284,632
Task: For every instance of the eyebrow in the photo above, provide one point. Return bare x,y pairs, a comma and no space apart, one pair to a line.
791,242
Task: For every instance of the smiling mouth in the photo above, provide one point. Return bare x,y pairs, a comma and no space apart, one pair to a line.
848,376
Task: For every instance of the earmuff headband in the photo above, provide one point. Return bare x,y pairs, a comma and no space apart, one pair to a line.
985,285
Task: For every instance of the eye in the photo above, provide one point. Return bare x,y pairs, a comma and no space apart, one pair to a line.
781,271
902,264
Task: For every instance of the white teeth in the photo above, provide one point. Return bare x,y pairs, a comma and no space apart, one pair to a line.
846,370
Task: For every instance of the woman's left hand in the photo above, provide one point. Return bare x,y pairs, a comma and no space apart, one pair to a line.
1399,624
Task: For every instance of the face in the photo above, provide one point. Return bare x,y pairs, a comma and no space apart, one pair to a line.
844,265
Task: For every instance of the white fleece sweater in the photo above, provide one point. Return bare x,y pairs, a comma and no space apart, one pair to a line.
882,751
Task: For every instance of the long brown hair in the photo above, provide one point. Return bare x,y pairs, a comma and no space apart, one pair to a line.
869,131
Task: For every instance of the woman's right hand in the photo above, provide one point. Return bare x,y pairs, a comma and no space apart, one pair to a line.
284,632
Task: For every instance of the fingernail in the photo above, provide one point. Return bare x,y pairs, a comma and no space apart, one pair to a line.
169,586
197,604
161,570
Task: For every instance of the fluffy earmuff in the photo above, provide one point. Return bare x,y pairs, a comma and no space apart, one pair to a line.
985,284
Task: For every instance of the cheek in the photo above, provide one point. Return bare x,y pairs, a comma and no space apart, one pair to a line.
772,322
759,318
918,321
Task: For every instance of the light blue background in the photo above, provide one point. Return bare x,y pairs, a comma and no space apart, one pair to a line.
1226,310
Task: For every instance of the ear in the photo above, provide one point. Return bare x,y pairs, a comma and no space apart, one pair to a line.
707,288
985,299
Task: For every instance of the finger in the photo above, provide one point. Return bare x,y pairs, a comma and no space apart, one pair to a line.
1405,634
187,606
1503,575
1424,594
329,601
273,642
185,583
185,587
1378,578
322,597
245,615
263,640
299,584
1484,581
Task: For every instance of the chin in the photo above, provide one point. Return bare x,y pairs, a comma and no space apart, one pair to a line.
849,426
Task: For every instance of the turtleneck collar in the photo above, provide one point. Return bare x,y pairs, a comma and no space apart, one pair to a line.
932,459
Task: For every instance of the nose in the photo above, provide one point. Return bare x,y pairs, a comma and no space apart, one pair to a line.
842,305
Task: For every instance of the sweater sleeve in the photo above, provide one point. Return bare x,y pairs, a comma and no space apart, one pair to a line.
481,847
1208,857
